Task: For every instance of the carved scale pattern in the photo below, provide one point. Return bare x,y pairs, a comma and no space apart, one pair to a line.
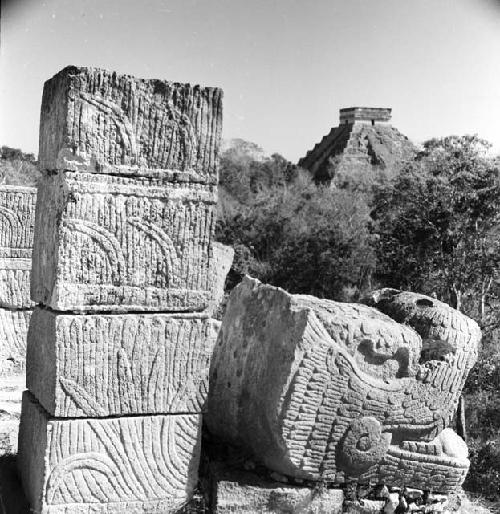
119,364
290,377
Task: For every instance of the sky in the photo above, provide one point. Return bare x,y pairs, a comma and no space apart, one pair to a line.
286,66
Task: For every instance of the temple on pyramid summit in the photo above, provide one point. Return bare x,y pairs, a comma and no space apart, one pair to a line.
363,142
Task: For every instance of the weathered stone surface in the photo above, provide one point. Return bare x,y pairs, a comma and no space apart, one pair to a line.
122,243
100,121
13,332
17,219
15,283
12,500
245,493
100,365
124,225
139,464
11,390
364,507
219,268
325,390
365,115
451,444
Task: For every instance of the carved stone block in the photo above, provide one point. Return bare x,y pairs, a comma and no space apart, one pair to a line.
243,492
319,389
17,219
219,268
138,464
100,121
13,332
122,243
101,365
15,282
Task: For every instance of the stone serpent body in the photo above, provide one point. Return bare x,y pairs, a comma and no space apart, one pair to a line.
335,391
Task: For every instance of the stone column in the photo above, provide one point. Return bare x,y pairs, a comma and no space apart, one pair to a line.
119,344
17,219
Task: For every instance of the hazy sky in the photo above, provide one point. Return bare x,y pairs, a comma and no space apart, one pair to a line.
286,66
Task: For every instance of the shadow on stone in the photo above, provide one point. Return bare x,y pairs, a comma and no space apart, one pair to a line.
12,500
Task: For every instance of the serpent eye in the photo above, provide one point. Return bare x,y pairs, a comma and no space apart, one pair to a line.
364,443
424,302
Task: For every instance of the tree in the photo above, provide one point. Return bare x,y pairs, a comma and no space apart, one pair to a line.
18,168
15,154
438,223
290,232
325,248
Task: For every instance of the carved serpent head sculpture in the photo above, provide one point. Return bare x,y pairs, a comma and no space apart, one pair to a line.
334,391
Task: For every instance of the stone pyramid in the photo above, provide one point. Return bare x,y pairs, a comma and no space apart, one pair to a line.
364,142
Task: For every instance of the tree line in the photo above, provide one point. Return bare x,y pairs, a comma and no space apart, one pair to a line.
17,167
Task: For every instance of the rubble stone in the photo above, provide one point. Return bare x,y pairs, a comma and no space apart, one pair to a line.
452,444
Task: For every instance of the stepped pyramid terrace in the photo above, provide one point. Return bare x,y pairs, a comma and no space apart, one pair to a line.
363,142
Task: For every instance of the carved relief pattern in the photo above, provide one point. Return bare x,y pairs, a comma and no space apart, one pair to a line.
13,330
119,364
124,223
95,464
15,282
328,412
17,219
122,244
118,120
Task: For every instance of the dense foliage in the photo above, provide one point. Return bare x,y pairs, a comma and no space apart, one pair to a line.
438,223
17,167
433,228
289,232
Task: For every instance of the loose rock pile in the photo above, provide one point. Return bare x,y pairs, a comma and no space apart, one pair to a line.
394,500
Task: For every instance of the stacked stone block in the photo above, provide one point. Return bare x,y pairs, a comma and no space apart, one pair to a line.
119,345
236,490
17,218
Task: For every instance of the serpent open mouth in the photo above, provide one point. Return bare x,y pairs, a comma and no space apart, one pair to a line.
325,390
442,462
414,447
